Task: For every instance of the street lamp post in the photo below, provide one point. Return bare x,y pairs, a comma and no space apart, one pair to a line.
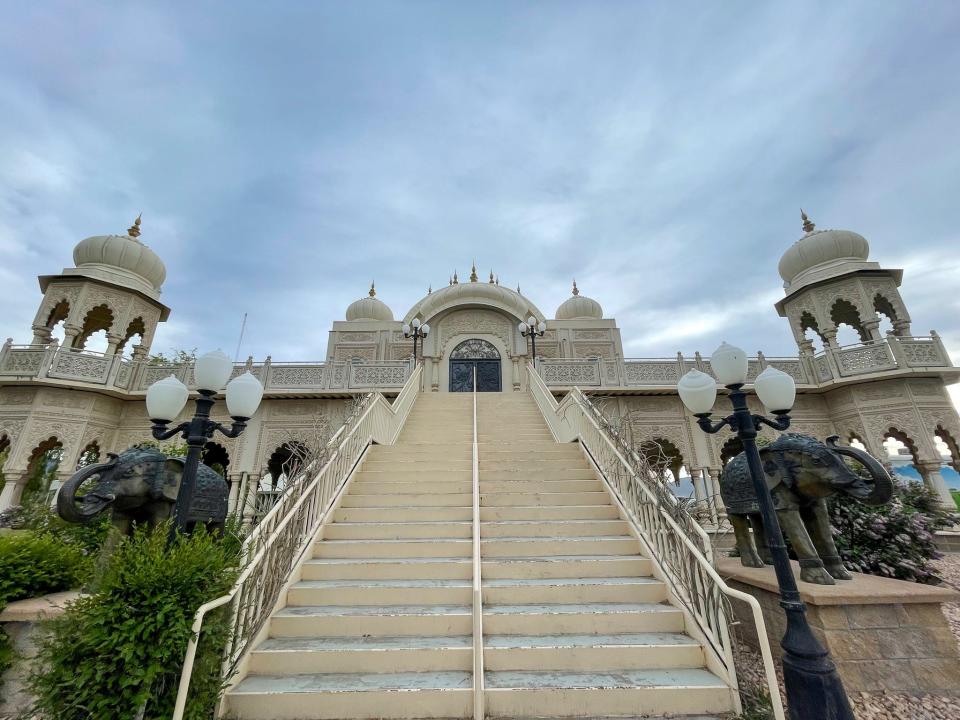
166,399
814,689
533,329
416,330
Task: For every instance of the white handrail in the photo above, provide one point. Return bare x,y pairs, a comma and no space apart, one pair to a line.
478,699
275,557
687,567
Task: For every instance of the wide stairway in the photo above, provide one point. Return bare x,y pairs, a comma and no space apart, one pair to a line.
379,625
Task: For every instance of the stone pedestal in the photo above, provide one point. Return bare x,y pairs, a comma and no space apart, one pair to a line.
882,634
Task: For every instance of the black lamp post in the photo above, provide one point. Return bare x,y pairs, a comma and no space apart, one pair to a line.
416,330
166,399
814,689
533,329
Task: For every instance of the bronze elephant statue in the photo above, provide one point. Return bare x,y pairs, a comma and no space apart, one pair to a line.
801,472
140,485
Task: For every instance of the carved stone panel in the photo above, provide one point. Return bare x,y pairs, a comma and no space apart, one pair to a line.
475,322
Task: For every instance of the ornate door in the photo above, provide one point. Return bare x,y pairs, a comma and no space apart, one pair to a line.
475,356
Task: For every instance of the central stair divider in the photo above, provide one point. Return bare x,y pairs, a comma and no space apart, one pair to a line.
478,692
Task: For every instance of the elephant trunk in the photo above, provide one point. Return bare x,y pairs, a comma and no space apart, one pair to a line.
67,507
882,482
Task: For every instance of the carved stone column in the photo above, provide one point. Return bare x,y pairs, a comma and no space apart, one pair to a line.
71,334
113,343
930,472
873,328
714,488
901,328
12,489
41,335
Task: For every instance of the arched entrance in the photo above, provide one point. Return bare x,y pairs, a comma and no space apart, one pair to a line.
478,356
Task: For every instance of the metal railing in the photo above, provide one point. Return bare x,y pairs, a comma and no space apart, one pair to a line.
478,704
679,547
279,543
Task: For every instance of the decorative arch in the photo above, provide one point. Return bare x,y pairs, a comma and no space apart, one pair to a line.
216,456
42,464
844,312
284,463
97,318
90,454
662,455
909,443
475,349
730,449
136,327
951,442
58,313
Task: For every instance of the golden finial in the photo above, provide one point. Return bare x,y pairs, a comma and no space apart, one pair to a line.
808,226
491,277
134,230
373,290
473,272
576,290
456,281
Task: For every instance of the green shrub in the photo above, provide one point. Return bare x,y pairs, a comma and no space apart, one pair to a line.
897,540
121,649
38,516
33,564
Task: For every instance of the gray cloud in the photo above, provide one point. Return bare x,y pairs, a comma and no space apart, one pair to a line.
285,155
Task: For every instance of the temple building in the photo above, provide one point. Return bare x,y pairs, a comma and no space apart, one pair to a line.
59,400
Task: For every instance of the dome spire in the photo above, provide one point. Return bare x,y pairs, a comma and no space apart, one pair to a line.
430,289
473,272
576,290
134,230
808,226
491,276
456,281
373,290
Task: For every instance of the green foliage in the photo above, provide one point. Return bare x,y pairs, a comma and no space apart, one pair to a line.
177,357
120,651
7,654
37,516
33,564
172,448
896,540
955,494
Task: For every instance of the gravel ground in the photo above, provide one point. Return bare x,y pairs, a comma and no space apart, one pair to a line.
887,706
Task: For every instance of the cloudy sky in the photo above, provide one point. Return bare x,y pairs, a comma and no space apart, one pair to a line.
284,154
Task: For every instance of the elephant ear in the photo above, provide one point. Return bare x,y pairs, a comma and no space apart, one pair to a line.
172,472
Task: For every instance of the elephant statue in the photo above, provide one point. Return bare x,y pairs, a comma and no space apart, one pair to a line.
140,485
801,472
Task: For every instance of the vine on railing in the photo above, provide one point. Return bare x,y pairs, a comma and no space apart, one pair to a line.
277,545
676,543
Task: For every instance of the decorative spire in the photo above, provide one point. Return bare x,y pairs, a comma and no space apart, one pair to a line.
576,290
473,272
455,280
491,277
497,281
450,280
430,289
373,290
808,226
134,230
518,289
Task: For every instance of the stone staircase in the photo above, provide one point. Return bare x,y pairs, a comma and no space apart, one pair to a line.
379,624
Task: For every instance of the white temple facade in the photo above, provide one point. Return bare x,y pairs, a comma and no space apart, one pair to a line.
61,396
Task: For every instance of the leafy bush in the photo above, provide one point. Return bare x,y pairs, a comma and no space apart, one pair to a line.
120,651
33,564
897,540
39,517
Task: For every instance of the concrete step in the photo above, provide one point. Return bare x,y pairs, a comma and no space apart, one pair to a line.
566,566
594,694
434,464
573,590
539,512
580,472
420,487
299,656
402,474
546,546
387,568
500,499
435,547
332,696
584,619
394,500
634,651
538,486
553,528
397,530
380,592
403,514
373,620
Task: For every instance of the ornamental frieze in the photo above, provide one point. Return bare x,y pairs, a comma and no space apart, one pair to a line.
17,395
469,322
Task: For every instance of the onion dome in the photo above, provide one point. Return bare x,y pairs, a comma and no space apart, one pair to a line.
122,259
370,308
578,306
818,252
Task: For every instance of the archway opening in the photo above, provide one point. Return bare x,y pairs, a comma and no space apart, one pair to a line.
216,457
475,358
42,467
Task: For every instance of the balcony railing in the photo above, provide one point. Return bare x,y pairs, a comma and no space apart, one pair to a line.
37,362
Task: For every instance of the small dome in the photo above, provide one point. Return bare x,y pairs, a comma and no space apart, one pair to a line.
123,253
578,306
819,248
369,308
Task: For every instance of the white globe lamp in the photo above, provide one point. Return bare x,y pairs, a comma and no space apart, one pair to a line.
244,394
729,363
166,399
776,390
212,371
698,391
